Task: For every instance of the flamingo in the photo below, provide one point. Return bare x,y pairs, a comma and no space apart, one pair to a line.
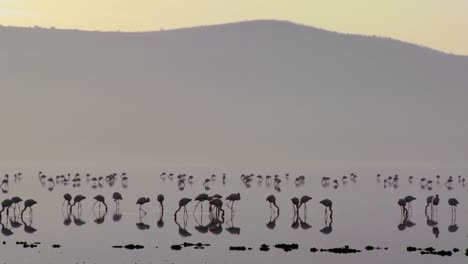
6,204
101,200
402,204
77,200
160,199
428,202
15,202
117,198
200,199
141,201
328,204
453,203
67,199
295,202
272,200
408,200
232,198
217,204
182,203
304,200
28,204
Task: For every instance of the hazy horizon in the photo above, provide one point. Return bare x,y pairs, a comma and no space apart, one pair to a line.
260,92
441,25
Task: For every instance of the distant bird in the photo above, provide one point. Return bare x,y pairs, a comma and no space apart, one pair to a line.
205,183
160,199
117,198
182,203
141,201
272,200
28,204
101,200
232,198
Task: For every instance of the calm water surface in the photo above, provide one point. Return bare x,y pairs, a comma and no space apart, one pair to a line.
365,213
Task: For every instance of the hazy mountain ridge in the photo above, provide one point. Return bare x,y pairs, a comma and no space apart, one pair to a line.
263,90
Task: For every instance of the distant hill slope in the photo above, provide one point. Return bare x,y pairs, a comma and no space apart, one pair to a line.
267,91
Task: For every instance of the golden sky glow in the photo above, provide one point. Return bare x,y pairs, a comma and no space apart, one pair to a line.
440,24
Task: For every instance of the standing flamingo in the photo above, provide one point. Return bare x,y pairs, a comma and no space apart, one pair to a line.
28,204
160,199
141,201
232,198
272,200
200,199
101,200
117,198
182,203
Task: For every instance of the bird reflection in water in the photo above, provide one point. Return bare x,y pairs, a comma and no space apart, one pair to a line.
182,228
203,229
5,230
14,220
100,217
215,225
77,219
231,228
328,226
140,225
28,226
66,214
273,217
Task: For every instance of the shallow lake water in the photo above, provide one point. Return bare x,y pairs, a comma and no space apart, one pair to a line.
364,213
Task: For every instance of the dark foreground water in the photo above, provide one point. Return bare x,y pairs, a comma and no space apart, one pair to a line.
365,214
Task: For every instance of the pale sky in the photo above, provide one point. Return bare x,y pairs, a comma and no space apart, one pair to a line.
440,24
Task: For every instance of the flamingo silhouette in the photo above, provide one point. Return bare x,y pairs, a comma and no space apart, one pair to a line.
232,198
328,204
15,202
272,200
304,200
77,200
6,204
160,199
28,204
182,203
141,201
67,199
117,198
200,199
453,203
101,200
